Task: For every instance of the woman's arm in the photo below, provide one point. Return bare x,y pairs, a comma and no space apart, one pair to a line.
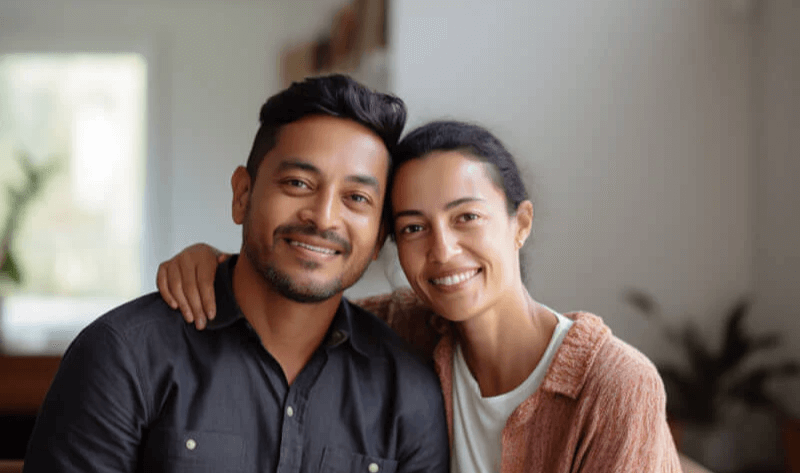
627,430
186,282
406,314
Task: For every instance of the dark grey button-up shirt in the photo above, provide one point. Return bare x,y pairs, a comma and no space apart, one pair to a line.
141,391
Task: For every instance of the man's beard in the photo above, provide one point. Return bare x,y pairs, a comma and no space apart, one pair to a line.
283,283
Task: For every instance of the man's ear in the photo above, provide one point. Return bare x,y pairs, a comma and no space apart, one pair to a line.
241,186
524,216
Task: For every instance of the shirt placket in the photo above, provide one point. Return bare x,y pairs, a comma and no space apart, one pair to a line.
294,413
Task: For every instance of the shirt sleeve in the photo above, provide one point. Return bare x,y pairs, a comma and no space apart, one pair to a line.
409,317
628,433
93,416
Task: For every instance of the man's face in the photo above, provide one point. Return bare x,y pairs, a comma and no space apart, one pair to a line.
311,218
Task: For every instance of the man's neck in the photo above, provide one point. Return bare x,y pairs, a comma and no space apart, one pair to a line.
291,331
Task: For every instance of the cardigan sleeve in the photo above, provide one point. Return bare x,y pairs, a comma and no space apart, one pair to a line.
628,431
407,315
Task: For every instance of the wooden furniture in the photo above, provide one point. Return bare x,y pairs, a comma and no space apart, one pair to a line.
791,444
23,386
10,466
26,380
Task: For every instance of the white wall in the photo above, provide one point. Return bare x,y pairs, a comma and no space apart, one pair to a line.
211,64
633,121
777,166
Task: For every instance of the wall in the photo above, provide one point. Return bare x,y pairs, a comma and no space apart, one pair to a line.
211,64
633,121
777,168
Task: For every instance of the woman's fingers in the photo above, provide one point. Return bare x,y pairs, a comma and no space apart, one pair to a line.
205,281
188,272
163,286
186,282
175,282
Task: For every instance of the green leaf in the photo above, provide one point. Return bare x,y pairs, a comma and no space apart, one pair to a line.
10,269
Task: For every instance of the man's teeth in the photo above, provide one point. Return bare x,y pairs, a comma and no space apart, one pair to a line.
455,278
318,249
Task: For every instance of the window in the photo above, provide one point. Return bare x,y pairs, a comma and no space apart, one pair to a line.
78,242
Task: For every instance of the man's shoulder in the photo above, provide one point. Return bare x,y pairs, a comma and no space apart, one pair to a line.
379,341
138,319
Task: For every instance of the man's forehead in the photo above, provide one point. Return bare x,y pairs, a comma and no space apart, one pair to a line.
331,146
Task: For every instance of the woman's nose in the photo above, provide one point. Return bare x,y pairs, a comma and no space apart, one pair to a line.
443,245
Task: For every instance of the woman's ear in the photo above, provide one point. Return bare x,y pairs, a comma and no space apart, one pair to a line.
524,217
240,184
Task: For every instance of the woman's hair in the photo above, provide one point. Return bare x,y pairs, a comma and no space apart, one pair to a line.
470,139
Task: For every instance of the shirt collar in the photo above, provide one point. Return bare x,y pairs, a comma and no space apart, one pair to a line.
342,331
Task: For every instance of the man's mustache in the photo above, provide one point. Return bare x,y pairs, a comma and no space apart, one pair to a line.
312,230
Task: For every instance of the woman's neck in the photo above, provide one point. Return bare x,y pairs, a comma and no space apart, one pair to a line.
503,345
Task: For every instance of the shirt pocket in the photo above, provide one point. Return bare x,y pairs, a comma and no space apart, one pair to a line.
177,451
336,460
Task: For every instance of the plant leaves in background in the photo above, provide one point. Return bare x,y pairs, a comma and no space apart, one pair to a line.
642,302
712,377
10,270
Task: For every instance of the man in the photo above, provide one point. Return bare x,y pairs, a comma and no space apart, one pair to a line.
289,377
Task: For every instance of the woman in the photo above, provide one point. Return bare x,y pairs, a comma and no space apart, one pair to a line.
525,388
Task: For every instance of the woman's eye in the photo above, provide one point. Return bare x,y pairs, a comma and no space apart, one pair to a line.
411,229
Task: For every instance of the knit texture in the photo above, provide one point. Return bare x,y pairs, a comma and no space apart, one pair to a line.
601,406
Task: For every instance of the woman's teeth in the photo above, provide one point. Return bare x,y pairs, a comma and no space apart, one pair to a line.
318,249
455,278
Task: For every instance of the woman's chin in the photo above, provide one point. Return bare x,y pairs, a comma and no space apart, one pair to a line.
456,310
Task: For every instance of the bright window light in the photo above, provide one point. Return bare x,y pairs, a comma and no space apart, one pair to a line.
77,244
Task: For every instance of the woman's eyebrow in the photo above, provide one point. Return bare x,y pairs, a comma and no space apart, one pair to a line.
448,206
462,200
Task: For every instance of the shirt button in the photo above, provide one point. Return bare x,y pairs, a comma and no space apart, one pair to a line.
191,444
289,411
373,468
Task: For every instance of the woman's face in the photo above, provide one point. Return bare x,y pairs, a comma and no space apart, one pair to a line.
457,244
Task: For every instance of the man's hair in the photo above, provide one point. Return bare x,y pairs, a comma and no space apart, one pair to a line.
335,95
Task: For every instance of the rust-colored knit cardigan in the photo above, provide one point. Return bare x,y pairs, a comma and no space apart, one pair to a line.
600,408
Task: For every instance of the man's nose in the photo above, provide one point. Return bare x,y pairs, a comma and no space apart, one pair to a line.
324,210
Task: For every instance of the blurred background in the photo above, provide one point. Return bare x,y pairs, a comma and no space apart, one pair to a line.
659,139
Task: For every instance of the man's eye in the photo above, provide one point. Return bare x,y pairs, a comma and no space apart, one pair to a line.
467,217
297,183
414,228
359,198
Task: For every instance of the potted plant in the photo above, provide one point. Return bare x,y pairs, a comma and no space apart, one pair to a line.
701,392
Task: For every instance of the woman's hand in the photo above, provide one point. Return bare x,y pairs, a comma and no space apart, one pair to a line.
187,282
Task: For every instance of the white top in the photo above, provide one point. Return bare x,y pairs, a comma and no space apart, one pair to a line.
478,421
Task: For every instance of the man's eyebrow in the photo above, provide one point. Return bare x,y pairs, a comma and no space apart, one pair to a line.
448,206
366,180
363,179
298,164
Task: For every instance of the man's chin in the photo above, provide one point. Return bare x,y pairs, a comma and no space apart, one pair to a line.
301,288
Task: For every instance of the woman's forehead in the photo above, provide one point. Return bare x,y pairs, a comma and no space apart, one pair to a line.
441,177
